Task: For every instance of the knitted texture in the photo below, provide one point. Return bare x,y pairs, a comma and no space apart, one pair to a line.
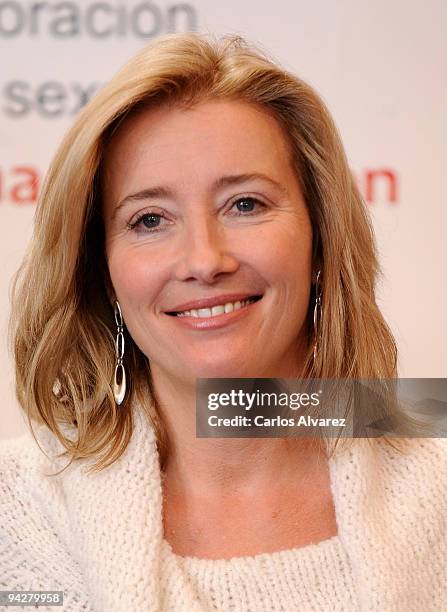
99,537
312,578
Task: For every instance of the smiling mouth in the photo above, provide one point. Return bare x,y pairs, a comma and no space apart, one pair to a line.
217,310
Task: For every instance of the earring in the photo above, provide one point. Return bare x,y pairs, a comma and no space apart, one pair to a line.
119,381
317,312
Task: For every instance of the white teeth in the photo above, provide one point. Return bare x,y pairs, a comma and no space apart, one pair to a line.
215,310
204,312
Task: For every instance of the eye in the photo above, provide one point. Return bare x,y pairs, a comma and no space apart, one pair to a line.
247,205
150,221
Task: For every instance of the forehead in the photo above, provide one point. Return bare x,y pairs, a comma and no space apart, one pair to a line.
213,137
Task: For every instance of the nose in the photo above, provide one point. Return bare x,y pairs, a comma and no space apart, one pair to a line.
204,254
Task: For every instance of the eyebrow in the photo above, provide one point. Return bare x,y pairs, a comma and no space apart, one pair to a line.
220,183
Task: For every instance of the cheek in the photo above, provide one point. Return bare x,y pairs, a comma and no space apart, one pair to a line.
286,253
135,280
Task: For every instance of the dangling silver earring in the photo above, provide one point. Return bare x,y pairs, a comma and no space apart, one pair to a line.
119,381
317,313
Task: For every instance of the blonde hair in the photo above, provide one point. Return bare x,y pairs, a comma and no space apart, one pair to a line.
63,324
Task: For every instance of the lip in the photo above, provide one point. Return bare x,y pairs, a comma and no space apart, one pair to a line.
212,301
216,322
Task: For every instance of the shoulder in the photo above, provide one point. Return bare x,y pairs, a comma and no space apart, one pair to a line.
26,455
417,477
391,505
24,469
416,461
31,511
421,461
17,460
28,466
400,478
399,459
35,529
16,456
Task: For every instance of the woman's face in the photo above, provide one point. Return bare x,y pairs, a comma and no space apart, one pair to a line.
202,211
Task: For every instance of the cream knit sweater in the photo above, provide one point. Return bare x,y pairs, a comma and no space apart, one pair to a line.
99,538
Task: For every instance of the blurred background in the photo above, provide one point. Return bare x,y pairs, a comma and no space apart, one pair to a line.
380,66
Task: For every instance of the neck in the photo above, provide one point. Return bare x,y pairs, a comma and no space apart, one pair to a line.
224,465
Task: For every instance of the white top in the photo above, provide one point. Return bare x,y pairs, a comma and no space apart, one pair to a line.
314,577
99,537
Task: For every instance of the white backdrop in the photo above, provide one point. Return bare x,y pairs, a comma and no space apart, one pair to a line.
380,66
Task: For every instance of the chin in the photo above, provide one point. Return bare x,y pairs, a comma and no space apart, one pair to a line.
225,368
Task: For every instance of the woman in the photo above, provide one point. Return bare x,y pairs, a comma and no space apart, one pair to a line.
200,221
